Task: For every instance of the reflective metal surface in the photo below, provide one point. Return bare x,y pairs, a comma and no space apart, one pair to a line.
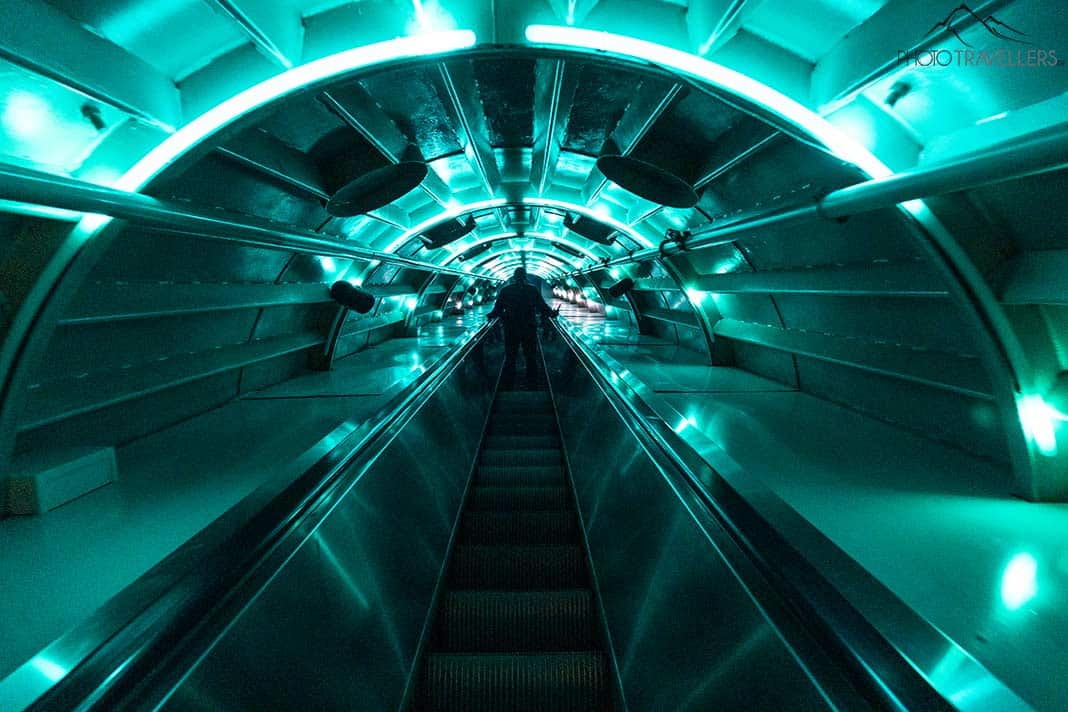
806,567
225,124
686,632
255,539
337,626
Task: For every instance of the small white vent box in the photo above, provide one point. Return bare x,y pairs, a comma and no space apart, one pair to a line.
41,483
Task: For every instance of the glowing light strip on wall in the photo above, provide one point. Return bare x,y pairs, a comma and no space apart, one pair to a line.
839,143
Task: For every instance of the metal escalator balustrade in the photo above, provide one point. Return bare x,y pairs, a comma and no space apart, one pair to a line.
516,627
798,624
262,589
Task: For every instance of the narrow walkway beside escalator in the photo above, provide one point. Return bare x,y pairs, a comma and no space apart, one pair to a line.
516,626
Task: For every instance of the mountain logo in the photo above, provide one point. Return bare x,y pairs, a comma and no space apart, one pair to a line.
994,26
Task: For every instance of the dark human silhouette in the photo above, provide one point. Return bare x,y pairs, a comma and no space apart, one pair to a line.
518,306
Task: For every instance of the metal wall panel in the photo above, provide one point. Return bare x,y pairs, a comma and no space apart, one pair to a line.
776,365
123,422
862,238
88,348
219,182
275,370
968,423
144,255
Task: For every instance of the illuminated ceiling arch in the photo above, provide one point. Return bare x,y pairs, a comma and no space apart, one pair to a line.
464,246
973,294
443,42
531,201
488,264
503,269
532,258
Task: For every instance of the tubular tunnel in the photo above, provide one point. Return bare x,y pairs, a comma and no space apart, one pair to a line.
797,439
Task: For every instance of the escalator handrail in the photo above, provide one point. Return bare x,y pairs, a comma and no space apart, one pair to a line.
890,675
123,647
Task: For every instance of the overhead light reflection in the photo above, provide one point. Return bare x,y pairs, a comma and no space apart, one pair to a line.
1019,582
696,296
684,423
26,115
1039,421
51,670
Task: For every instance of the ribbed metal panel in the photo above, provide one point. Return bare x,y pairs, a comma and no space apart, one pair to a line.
521,476
563,682
520,458
512,621
519,528
531,499
518,567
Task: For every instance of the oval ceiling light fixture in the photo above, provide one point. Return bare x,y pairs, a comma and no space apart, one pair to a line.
376,189
590,229
447,232
648,181
621,287
280,85
352,297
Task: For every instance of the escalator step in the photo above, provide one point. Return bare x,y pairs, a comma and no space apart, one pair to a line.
521,415
521,397
524,386
520,458
533,475
540,406
517,568
563,682
523,426
528,499
520,528
522,441
513,621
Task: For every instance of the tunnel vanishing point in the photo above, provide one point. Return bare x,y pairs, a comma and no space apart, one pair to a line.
798,439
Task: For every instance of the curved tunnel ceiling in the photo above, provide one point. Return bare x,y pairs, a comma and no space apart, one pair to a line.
511,111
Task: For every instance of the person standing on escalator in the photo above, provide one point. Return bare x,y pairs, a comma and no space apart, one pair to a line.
518,306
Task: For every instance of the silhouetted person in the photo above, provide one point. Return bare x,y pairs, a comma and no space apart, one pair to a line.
518,306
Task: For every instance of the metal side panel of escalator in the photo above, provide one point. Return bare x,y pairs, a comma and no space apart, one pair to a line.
311,594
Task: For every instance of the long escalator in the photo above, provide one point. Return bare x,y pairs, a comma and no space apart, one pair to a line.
516,626
296,611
